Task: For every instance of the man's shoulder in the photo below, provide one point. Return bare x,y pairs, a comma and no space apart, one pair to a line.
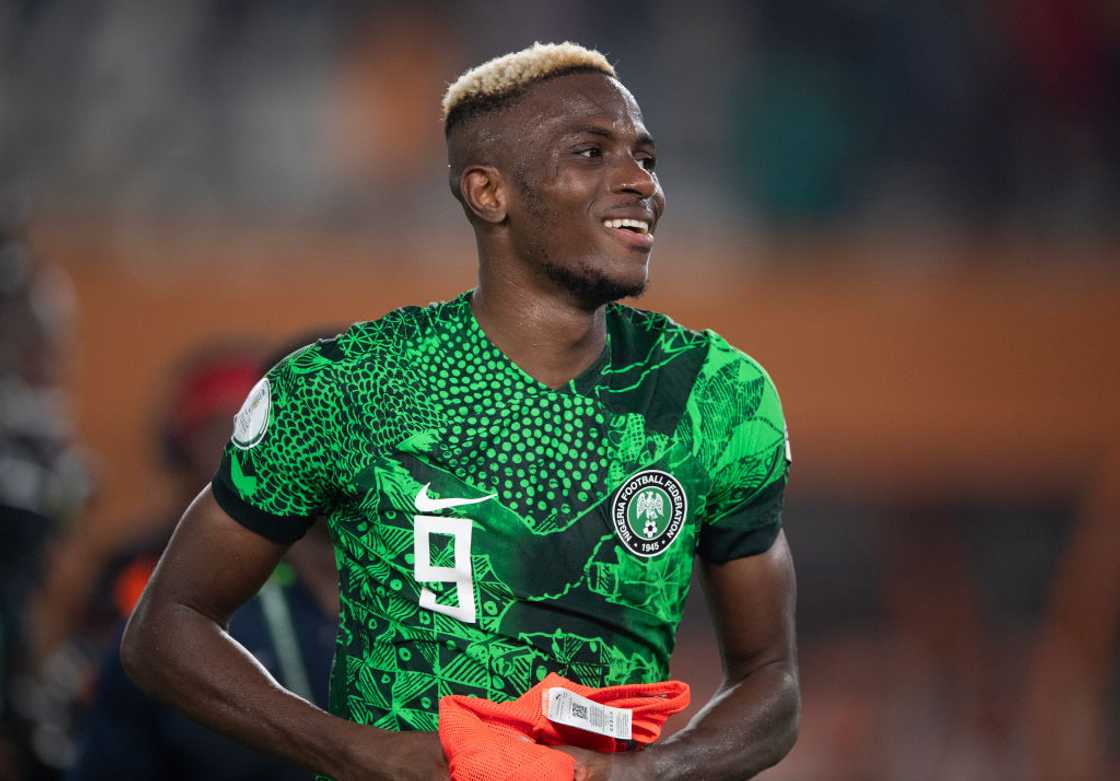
654,363
721,381
399,329
638,334
647,321
365,344
645,330
732,390
733,363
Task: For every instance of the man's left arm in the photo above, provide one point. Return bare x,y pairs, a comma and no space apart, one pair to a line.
752,720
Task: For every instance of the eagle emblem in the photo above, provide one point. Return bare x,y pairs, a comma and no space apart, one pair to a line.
651,506
649,511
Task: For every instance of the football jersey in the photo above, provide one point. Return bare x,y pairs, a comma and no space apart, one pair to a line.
490,529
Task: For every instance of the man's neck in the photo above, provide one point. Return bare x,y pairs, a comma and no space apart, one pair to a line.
546,333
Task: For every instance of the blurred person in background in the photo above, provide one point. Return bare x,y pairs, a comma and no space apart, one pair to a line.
73,628
595,447
203,396
44,484
289,626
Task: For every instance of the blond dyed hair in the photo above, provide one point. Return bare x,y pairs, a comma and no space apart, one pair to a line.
490,84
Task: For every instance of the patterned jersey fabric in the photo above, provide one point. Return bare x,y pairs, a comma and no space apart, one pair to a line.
490,529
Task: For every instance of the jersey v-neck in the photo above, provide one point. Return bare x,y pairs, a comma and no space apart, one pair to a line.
581,384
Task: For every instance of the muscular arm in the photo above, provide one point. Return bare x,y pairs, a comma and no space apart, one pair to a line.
751,722
177,647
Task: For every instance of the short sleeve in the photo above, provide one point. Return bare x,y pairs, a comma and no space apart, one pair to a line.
748,455
275,477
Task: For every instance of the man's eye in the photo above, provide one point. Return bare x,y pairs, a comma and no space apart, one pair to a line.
590,153
648,163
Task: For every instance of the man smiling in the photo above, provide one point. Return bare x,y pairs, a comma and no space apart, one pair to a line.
517,481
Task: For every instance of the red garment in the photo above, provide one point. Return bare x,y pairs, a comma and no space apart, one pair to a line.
509,741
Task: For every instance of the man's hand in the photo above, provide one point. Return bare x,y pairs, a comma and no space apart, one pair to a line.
404,756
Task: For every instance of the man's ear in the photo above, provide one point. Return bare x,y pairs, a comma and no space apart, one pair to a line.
484,192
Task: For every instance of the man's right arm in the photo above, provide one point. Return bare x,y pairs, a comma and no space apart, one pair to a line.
177,648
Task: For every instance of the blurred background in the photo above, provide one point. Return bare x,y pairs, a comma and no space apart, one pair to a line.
906,211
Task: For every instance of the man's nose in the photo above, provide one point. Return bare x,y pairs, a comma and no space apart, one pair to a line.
631,176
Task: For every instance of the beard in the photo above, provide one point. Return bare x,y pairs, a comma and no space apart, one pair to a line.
588,284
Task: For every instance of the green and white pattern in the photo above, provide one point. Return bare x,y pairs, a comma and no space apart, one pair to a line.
473,509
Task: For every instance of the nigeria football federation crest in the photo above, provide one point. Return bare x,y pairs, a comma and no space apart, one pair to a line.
648,512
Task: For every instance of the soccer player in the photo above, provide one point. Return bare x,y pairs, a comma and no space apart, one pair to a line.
516,481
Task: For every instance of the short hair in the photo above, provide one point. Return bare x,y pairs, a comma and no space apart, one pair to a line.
498,82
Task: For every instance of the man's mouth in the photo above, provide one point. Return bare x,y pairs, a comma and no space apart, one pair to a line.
638,226
634,234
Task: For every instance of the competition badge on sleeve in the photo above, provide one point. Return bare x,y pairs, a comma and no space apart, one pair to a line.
251,421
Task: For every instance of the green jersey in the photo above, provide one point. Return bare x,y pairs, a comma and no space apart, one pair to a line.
489,529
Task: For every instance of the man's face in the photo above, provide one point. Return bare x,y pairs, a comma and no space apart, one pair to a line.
586,200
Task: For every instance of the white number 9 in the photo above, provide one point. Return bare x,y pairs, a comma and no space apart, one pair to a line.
460,574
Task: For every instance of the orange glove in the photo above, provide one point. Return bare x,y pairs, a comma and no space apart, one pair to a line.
489,741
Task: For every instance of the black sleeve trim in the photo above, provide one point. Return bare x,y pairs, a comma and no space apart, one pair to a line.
747,530
749,543
279,528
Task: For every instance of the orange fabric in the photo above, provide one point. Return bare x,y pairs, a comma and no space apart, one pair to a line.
509,741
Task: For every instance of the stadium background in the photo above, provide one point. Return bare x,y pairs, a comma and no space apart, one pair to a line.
906,212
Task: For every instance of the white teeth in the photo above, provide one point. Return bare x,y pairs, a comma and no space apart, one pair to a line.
641,225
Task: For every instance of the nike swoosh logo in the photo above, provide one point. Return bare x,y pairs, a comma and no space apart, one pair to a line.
426,504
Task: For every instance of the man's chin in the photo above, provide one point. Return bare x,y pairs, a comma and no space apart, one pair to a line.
593,287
